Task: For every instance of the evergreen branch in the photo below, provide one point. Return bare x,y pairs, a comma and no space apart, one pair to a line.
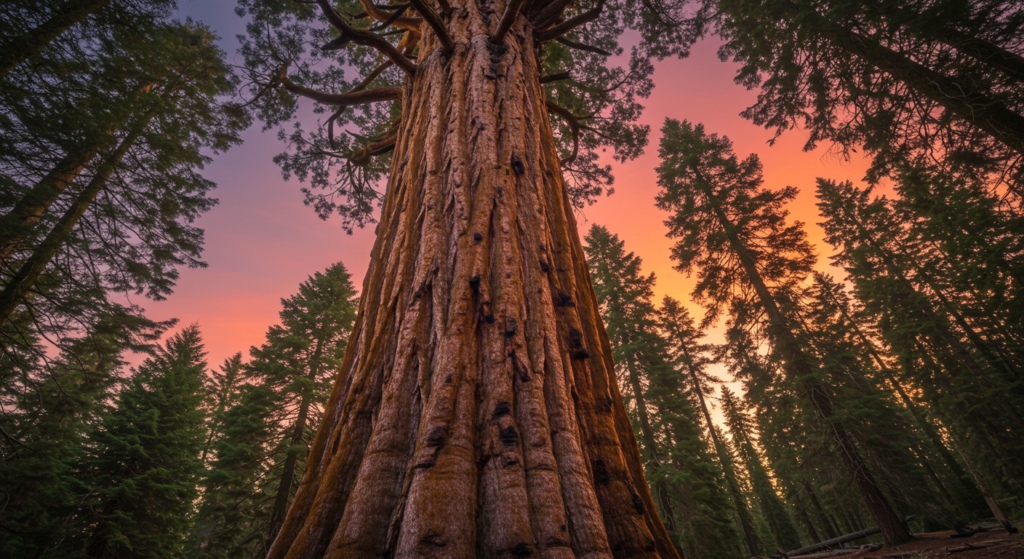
570,24
581,46
507,19
547,13
574,125
350,34
435,23
361,97
555,77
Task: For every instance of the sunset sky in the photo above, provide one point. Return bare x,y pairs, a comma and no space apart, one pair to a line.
261,242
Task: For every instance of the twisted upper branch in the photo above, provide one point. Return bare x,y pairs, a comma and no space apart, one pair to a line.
507,19
570,24
405,22
354,97
435,23
350,34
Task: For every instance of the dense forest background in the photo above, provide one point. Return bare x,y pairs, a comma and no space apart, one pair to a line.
826,333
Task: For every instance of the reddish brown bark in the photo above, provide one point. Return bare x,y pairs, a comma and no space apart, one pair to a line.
476,413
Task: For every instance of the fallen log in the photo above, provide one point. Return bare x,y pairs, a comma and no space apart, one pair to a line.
833,542
826,554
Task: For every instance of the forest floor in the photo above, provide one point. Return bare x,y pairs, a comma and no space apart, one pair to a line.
994,543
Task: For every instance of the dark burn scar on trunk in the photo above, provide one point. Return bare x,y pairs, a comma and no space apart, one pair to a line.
511,326
436,436
638,503
517,165
508,436
564,300
601,472
501,410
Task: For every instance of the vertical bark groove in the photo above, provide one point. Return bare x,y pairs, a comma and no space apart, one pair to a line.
476,413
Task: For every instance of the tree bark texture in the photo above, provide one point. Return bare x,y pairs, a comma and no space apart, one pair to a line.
476,413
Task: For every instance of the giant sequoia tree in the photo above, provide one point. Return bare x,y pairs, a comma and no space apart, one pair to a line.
476,412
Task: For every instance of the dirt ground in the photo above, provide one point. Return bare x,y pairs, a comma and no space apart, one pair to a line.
994,543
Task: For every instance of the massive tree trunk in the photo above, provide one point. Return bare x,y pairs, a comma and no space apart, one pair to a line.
476,413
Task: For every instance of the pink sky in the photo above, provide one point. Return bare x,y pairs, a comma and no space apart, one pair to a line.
261,242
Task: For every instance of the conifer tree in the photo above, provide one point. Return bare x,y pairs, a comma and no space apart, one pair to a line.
975,400
683,339
109,204
884,431
772,508
221,389
264,432
685,483
907,80
232,518
957,482
733,232
144,462
47,414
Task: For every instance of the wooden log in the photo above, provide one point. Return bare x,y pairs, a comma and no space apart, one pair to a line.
826,554
833,542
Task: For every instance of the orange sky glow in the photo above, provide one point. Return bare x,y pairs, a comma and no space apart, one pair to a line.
261,242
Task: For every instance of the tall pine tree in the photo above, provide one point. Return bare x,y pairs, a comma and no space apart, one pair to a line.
734,233
685,482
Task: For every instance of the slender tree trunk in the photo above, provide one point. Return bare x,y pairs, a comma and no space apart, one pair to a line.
22,280
929,429
661,490
799,369
15,225
284,488
31,43
830,525
476,413
746,522
801,512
